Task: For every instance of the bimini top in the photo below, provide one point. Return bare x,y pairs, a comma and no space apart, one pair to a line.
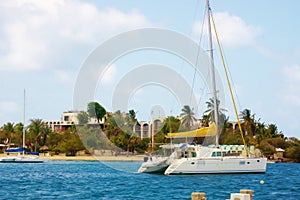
21,149
201,132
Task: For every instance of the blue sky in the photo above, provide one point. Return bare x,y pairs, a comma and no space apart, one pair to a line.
43,45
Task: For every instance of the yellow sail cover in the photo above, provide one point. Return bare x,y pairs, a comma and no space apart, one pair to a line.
202,132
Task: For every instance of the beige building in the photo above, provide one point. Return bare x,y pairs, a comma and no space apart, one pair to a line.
68,119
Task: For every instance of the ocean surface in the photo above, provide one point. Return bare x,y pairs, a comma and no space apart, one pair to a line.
119,180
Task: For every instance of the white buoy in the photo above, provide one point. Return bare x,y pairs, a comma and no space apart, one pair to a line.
262,182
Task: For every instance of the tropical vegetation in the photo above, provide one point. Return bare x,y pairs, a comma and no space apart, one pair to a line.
119,132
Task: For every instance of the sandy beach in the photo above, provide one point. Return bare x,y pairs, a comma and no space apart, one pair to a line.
131,158
95,158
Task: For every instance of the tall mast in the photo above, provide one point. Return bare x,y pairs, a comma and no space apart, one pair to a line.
215,99
24,124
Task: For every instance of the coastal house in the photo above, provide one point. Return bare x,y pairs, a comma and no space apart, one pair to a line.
278,155
68,119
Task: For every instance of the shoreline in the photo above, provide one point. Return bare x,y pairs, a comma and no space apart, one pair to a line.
120,158
95,158
104,158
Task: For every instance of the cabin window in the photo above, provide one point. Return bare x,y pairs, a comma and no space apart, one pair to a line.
213,154
186,154
219,154
242,162
193,154
258,160
248,163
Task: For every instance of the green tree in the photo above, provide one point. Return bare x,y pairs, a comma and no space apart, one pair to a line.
70,143
132,121
96,110
268,146
53,140
18,134
7,132
83,117
187,115
293,153
38,132
293,149
249,123
171,124
210,112
205,120
273,132
132,115
260,132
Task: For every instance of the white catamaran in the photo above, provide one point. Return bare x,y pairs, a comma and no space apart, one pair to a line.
198,159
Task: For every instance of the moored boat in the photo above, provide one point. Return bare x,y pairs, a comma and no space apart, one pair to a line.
198,159
23,155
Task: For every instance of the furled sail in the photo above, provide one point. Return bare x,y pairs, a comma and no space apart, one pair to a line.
202,132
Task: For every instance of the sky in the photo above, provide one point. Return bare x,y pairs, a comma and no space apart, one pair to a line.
44,45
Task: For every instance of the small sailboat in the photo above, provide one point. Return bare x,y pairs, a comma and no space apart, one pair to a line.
23,155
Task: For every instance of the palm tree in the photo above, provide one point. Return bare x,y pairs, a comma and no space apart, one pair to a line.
132,115
171,125
211,114
132,121
37,130
188,118
260,132
249,124
8,131
273,131
205,120
18,129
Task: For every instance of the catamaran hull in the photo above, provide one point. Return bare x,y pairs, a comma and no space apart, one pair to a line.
217,166
28,160
153,169
8,159
21,160
154,166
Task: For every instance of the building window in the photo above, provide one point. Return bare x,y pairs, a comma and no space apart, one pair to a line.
66,118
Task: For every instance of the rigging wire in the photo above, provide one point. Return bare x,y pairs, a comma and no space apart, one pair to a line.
197,58
228,82
234,89
182,63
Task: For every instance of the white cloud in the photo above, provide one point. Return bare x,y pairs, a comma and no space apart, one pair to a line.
109,75
36,32
291,75
64,76
232,30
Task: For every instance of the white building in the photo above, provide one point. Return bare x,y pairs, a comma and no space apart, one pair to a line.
68,119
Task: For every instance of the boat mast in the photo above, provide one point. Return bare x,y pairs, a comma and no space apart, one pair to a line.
215,99
24,125
152,136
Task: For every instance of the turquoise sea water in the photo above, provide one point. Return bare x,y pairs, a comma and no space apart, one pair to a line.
96,180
